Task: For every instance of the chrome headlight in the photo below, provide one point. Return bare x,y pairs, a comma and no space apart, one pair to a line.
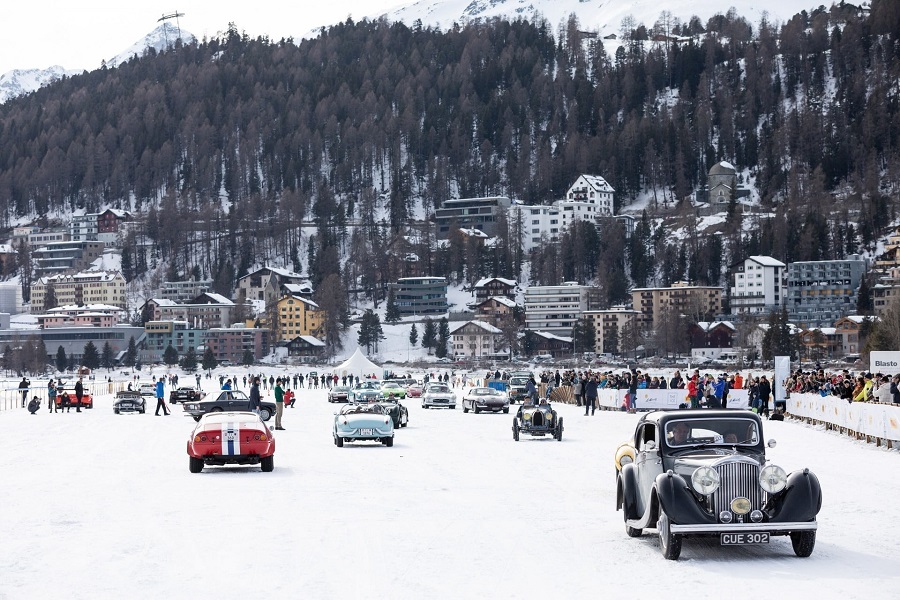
705,480
772,479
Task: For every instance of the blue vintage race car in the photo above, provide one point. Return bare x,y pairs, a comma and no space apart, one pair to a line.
361,422
366,391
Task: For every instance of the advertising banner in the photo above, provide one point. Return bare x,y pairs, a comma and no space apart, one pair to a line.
884,362
782,372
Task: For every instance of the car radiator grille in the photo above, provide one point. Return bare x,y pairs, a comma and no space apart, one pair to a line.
737,479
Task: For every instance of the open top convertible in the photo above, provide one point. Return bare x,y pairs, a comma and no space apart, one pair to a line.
704,473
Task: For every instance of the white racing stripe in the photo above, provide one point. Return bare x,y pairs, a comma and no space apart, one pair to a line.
231,447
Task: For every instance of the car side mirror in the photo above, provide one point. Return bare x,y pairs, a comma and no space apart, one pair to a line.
771,443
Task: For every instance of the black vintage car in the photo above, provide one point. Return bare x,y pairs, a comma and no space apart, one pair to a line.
537,420
398,413
227,400
129,401
692,473
184,394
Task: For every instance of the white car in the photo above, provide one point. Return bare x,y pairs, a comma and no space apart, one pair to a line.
147,389
438,395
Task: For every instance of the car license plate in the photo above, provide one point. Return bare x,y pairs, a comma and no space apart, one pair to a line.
744,539
230,436
366,432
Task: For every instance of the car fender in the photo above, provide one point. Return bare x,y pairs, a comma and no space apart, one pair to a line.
800,501
678,501
626,492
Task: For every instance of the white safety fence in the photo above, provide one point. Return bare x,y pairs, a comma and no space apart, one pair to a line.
664,399
876,422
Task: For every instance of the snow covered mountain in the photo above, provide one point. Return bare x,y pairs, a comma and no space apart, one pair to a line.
24,81
605,16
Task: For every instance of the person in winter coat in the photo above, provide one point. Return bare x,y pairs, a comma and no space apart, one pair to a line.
161,397
765,389
279,404
51,396
255,399
79,394
590,395
530,389
694,392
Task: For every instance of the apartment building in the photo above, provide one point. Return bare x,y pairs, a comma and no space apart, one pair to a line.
821,292
91,287
556,308
609,326
475,213
758,285
681,298
421,295
298,316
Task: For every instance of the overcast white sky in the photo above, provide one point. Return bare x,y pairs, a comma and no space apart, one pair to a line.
78,35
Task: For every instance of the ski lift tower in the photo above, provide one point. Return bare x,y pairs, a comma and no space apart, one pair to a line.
164,18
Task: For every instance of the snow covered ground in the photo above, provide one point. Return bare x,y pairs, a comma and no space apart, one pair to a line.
97,505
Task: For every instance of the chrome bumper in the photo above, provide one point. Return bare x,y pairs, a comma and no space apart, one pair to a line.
745,527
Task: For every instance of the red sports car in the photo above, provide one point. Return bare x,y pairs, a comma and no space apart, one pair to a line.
222,438
414,390
66,398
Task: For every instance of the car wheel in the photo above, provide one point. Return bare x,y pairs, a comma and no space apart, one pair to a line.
506,411
475,408
264,414
389,442
267,463
669,543
338,441
559,429
633,532
216,409
195,464
465,409
453,407
803,542
116,410
515,430
425,406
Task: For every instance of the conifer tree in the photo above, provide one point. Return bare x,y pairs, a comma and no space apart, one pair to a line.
170,355
189,362
391,311
130,354
90,358
443,338
413,335
429,337
106,358
61,360
209,359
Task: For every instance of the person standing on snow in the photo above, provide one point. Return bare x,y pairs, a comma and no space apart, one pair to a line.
254,404
161,397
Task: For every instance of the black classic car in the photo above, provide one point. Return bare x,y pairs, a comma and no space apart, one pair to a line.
227,400
129,401
398,413
692,473
184,394
537,420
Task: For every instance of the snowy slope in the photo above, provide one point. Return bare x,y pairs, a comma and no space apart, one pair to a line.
24,81
604,16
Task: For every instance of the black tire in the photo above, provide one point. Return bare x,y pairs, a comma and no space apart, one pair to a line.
267,463
632,531
264,414
116,410
195,464
216,409
506,411
803,542
669,543
389,442
425,406
559,429
338,441
475,409
515,430
465,410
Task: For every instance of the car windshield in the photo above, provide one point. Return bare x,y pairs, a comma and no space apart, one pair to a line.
358,409
692,432
438,388
340,389
391,386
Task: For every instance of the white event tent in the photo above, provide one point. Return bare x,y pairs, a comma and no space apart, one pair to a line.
359,366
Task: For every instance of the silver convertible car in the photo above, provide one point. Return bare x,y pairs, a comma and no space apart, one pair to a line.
362,422
438,395
704,473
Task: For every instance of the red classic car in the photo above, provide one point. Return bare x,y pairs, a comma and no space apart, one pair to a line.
66,398
414,390
222,438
